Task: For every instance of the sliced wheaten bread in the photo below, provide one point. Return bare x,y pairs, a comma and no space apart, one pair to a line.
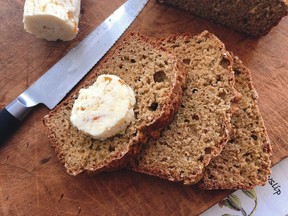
254,18
157,79
244,161
201,127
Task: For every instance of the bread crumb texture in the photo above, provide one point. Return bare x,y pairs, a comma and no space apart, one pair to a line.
157,79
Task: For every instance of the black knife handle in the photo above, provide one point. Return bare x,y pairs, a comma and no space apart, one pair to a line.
11,117
8,124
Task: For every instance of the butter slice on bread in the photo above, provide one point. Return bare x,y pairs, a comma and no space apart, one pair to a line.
156,77
201,127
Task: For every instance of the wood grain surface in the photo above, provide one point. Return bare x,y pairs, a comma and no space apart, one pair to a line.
33,182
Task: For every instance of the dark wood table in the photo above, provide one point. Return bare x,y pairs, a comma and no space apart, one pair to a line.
33,182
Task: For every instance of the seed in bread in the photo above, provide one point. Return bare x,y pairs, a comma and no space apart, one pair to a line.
201,127
156,77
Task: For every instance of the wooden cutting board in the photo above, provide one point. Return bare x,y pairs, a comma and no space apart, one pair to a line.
33,182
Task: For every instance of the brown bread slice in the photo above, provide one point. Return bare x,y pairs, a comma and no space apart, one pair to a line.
254,18
157,79
244,161
201,127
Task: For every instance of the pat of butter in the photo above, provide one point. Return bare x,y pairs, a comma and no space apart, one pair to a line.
52,19
105,108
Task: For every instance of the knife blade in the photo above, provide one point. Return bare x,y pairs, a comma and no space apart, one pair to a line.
54,85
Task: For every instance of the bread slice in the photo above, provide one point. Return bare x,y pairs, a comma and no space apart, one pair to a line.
244,161
157,79
254,18
201,127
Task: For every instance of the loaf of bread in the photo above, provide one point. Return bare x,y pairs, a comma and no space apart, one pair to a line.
156,77
201,127
254,18
244,161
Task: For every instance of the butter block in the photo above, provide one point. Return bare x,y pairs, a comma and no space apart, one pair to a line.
52,19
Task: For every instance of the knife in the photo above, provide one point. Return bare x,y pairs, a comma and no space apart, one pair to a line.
54,85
